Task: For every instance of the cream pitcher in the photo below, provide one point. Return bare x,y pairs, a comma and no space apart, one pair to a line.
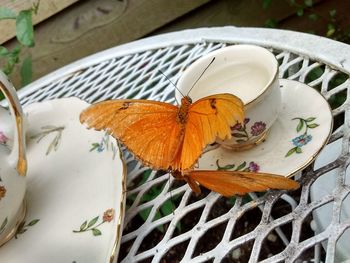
13,164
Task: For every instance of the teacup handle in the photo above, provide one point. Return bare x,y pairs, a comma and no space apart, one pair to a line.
18,153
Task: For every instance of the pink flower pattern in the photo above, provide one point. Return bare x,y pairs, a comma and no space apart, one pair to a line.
258,128
3,138
240,131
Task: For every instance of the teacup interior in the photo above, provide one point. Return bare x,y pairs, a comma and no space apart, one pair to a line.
245,71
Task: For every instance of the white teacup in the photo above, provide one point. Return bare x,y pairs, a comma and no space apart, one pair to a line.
247,71
13,165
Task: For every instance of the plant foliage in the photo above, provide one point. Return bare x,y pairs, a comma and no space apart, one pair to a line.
25,38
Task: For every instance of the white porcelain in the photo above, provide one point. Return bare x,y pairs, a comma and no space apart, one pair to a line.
76,179
13,164
247,71
287,149
6,128
325,185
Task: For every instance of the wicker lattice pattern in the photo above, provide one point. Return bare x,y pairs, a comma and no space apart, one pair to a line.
151,194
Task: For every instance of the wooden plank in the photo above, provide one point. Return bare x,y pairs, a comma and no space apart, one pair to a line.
319,26
46,9
230,12
91,26
244,13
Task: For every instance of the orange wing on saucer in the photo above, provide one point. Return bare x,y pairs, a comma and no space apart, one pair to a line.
147,128
229,183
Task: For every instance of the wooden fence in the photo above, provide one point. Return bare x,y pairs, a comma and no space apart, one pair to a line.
66,30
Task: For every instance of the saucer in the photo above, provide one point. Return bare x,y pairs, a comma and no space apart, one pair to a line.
299,133
75,190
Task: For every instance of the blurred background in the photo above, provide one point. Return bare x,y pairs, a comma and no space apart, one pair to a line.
38,37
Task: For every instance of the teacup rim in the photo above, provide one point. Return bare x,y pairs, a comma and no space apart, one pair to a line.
267,87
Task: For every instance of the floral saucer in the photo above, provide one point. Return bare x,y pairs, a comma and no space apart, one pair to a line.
299,133
76,190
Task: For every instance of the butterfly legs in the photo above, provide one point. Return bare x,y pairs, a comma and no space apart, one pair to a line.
192,183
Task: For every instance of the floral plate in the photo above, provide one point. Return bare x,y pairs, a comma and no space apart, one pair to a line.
75,195
301,130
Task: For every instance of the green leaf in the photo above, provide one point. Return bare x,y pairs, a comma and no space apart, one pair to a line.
12,60
156,217
147,197
33,222
266,3
152,193
132,197
3,51
241,166
313,17
232,200
96,232
290,152
145,176
94,146
312,125
272,23
179,227
300,125
330,30
83,226
24,28
310,119
298,150
6,13
93,221
240,141
145,213
333,12
15,52
167,207
300,12
225,167
239,135
308,3
26,71
246,199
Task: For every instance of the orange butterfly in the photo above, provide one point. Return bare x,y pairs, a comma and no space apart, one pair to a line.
167,137
162,135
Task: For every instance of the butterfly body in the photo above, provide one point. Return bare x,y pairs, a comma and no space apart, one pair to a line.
183,110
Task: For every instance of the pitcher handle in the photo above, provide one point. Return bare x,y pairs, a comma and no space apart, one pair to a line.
18,152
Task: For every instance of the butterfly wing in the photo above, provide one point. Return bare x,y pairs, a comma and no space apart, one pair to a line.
229,183
208,118
147,128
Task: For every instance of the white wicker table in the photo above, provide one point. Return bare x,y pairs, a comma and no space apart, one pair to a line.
152,234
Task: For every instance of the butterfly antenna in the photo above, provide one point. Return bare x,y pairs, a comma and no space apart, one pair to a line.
172,83
211,62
